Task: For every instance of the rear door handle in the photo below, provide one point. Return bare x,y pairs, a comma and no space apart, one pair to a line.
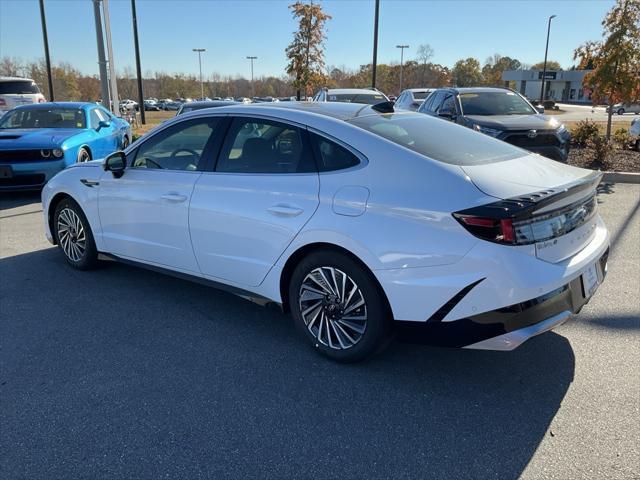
281,210
174,197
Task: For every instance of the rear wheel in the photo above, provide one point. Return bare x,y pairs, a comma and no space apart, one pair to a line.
74,236
338,306
83,155
621,111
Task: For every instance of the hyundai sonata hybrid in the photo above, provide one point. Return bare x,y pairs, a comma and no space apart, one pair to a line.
361,221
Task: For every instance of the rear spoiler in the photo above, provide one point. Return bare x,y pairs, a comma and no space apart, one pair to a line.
525,205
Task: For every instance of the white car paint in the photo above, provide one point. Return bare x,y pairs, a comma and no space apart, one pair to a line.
393,212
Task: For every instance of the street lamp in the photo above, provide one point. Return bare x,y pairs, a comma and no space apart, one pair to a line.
200,50
401,47
253,89
544,68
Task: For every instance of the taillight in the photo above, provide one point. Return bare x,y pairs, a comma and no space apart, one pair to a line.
492,229
42,100
2,102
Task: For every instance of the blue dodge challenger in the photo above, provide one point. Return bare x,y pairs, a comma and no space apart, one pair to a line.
39,140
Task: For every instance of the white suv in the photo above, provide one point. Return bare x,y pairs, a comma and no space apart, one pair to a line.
15,91
369,96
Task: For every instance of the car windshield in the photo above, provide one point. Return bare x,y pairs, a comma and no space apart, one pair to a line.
44,118
366,98
18,87
494,103
438,139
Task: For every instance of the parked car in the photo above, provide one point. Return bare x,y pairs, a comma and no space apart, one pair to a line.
16,91
190,107
39,140
503,114
634,131
622,108
151,106
243,100
368,96
412,98
127,104
169,106
357,221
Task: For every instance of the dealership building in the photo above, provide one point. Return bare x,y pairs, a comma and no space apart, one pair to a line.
562,85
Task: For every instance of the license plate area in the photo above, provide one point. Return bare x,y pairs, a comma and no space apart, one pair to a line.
590,281
6,171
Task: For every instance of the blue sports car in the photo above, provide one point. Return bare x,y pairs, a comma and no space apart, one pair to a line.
39,140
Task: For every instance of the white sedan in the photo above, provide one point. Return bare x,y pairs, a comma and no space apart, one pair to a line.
359,220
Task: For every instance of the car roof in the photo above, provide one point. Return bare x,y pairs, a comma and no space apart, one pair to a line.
211,102
352,90
475,89
427,89
59,104
14,79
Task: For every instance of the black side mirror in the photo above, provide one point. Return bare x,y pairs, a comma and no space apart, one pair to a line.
103,124
116,164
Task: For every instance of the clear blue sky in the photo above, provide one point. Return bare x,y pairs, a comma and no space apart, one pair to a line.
231,30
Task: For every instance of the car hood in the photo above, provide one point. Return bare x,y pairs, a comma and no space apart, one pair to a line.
515,122
521,176
35,137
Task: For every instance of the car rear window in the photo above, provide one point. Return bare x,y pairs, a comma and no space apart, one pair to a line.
439,139
18,87
370,99
420,95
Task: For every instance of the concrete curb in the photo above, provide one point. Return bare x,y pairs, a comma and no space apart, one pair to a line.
621,177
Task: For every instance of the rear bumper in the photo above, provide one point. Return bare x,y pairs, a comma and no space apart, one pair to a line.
30,175
505,328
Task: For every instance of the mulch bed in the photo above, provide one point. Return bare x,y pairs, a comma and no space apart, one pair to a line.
619,161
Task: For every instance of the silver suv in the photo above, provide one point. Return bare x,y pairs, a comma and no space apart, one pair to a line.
15,91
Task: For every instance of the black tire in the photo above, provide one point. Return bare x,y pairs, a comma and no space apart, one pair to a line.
125,142
376,329
621,111
83,155
85,255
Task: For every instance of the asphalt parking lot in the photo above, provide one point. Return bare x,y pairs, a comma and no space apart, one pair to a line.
125,373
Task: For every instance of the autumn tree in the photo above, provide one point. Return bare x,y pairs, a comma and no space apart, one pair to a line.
494,66
615,60
466,73
424,54
551,65
306,51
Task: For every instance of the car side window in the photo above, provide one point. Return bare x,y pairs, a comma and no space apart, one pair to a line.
263,146
436,102
331,156
448,104
94,118
180,147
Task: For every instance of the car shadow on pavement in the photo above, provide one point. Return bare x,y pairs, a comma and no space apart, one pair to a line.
18,199
122,372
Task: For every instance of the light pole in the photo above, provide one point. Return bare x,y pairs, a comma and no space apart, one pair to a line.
134,18
45,37
401,47
544,67
374,65
253,89
200,50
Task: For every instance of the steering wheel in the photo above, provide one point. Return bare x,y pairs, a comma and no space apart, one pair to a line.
188,150
146,161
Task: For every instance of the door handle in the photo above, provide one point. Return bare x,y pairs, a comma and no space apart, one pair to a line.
282,210
174,197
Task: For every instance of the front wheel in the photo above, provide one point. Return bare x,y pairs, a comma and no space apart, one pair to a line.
74,236
338,306
83,155
125,142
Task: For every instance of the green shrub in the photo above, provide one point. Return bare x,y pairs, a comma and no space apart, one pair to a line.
602,150
622,138
584,131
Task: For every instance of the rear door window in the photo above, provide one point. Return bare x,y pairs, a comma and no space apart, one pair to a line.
18,87
331,156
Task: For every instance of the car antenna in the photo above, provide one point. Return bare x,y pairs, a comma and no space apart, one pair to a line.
383,107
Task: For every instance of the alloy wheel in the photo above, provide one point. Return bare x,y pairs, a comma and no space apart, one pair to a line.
71,235
83,156
333,308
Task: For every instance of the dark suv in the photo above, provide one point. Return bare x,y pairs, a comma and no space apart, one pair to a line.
503,114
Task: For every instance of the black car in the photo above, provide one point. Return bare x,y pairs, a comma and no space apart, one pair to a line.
191,106
503,114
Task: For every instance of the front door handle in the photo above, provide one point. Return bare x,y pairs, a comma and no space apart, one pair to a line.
282,210
174,197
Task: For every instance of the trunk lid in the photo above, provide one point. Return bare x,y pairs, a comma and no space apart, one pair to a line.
549,204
